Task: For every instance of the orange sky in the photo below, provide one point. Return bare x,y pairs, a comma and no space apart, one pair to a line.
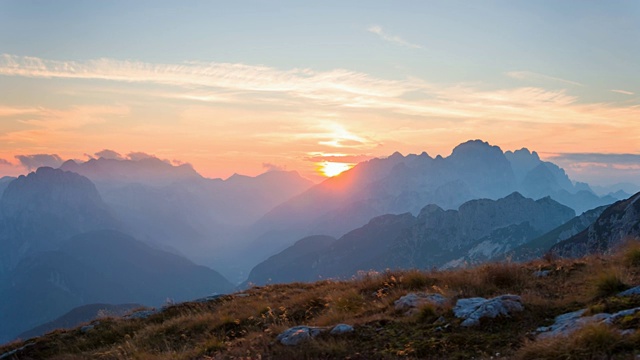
267,93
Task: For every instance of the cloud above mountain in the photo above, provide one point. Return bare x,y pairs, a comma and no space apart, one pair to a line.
233,117
32,162
109,154
601,168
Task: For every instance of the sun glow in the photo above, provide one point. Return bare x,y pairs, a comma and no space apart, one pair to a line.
331,169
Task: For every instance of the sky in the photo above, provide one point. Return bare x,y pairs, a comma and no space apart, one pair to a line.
251,86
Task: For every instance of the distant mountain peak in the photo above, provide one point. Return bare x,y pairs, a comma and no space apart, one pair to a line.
515,195
475,145
149,170
396,155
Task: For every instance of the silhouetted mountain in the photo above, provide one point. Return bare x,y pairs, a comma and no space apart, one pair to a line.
627,188
44,208
400,184
80,315
433,238
618,223
98,267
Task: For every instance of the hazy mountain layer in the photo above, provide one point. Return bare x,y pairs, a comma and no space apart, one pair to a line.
98,267
60,248
41,210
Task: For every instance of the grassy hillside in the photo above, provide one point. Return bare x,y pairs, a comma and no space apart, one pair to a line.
245,325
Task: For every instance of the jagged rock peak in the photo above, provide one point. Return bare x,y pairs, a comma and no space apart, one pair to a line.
430,209
473,146
514,196
50,181
396,155
523,153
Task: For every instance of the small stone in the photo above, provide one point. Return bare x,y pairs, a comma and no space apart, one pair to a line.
440,320
298,334
142,314
341,329
86,328
541,273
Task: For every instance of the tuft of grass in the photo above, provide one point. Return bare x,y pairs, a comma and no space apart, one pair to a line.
416,280
607,284
427,313
504,276
350,302
631,255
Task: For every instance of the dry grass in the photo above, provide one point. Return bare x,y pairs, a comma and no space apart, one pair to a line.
596,341
244,326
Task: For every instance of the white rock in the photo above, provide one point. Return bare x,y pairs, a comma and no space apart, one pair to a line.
568,323
474,309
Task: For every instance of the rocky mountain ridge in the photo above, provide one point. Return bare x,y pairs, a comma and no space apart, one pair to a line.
433,238
617,224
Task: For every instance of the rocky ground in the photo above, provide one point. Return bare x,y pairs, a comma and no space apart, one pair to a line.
546,309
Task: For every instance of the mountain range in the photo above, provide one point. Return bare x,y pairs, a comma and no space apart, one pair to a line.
62,247
434,238
617,224
399,184
115,231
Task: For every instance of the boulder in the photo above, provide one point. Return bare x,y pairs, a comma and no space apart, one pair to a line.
415,300
474,309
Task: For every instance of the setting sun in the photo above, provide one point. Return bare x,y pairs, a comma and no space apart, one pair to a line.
331,169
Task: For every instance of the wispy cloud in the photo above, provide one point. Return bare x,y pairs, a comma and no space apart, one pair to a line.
375,29
625,92
238,77
269,110
6,111
603,158
600,168
225,82
532,76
